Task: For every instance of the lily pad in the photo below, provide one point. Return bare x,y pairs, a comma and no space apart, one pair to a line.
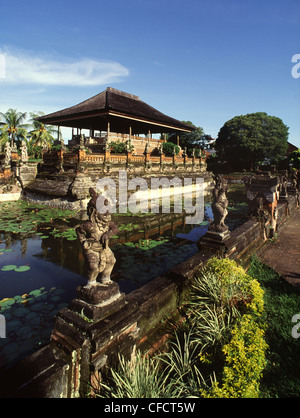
9,267
22,269
7,302
36,292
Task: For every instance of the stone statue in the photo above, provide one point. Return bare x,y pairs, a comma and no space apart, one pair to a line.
284,183
94,237
24,152
219,206
7,159
294,179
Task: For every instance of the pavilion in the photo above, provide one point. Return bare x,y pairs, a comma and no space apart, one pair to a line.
119,115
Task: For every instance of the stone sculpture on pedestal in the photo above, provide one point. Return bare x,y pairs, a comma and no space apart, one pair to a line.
94,237
219,206
7,159
24,152
215,238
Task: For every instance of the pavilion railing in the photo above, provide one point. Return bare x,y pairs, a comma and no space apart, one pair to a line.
71,161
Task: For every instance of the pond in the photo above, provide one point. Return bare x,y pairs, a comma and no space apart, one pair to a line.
41,263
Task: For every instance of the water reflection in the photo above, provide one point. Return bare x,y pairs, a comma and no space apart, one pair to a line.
145,247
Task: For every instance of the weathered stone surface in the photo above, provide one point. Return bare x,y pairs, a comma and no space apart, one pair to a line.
40,375
94,237
52,185
27,173
98,293
80,187
96,312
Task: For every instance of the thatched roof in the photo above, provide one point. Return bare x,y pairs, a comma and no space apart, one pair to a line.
121,109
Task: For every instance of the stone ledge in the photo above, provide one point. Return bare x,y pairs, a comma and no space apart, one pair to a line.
10,197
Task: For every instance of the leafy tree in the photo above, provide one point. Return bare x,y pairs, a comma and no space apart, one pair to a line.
249,139
188,140
13,124
204,141
294,158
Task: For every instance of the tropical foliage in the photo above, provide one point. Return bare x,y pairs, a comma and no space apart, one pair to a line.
117,147
169,148
189,140
219,349
15,128
294,159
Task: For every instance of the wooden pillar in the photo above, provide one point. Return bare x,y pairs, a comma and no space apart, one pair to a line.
108,130
149,136
178,139
165,137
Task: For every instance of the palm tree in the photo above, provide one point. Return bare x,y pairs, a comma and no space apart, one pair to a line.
12,123
42,135
3,136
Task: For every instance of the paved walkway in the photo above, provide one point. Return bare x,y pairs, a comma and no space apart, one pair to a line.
284,254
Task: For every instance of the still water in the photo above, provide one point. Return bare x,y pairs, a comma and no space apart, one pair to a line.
41,264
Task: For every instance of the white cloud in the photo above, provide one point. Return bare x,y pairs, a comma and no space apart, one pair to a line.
23,67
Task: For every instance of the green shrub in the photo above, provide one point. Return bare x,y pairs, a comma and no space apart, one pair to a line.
282,375
245,361
169,148
226,304
218,351
118,147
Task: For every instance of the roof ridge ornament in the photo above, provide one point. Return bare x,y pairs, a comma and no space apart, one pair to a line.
123,93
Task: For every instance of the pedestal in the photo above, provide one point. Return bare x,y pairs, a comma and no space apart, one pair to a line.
88,333
98,301
213,242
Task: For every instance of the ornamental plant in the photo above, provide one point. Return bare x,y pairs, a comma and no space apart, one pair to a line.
240,305
219,349
169,148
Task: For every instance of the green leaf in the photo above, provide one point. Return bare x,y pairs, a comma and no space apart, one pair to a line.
21,269
8,268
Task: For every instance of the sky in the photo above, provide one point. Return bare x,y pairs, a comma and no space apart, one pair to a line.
194,60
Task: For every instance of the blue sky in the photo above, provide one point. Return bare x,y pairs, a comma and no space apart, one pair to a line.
203,61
